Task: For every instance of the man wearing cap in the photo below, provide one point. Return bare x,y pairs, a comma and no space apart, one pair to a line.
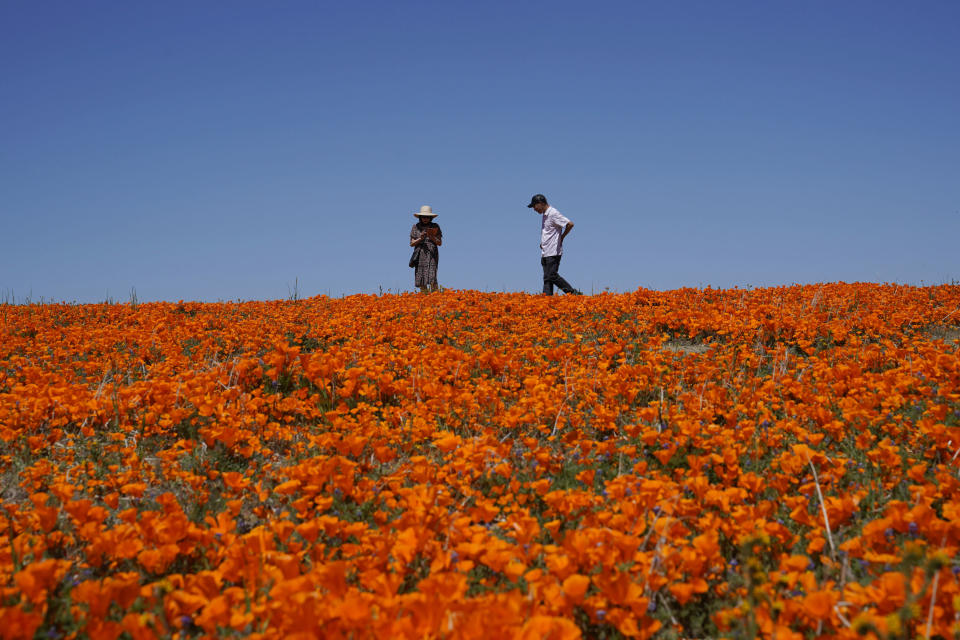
554,227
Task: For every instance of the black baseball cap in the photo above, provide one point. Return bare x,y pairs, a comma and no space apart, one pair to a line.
537,199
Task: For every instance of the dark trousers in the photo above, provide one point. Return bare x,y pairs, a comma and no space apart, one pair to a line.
551,264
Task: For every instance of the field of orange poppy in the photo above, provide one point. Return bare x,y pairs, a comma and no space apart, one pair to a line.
780,462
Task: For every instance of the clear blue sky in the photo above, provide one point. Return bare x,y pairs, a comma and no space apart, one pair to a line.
219,151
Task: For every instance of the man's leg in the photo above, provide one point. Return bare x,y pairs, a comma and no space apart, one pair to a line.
550,265
556,278
565,286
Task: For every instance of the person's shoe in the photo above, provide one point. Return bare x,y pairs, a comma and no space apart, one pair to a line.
575,292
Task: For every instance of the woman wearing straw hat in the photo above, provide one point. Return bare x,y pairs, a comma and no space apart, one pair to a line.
426,237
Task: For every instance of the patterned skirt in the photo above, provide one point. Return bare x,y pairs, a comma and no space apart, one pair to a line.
425,275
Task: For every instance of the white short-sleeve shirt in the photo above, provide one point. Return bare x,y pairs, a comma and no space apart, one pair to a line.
552,225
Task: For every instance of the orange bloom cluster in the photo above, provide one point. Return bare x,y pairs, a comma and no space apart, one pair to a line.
776,462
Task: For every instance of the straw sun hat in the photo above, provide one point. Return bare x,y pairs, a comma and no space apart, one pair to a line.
425,210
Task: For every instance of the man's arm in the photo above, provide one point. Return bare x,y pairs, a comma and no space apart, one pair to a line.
566,230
